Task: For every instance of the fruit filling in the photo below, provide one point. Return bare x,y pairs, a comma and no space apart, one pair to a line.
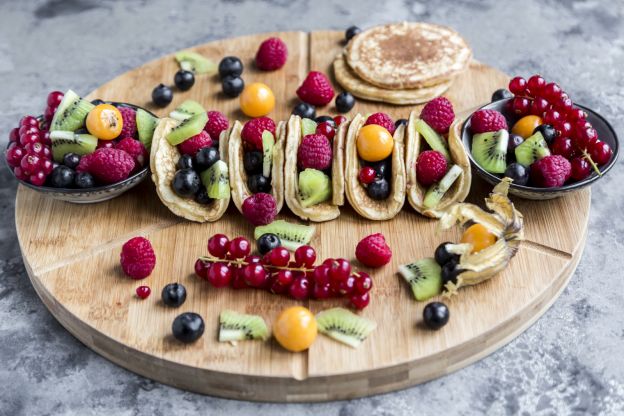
374,148
258,136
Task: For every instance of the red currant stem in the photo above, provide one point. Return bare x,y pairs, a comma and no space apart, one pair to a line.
210,259
591,162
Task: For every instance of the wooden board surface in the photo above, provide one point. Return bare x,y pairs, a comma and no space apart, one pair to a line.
72,256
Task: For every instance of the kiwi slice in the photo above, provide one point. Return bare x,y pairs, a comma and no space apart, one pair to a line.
292,236
490,150
234,326
71,113
532,149
187,110
314,187
216,179
187,129
146,124
424,277
308,126
268,142
433,139
64,142
434,194
192,61
344,326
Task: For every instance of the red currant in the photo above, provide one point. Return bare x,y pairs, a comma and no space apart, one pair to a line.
14,155
580,168
563,104
239,247
238,280
254,275
48,114
45,138
321,275
277,288
339,120
30,163
279,257
328,262
326,129
300,288
585,138
28,130
363,283
575,114
54,98
38,178
517,85
563,146
551,117
285,277
535,85
551,92
600,152
14,135
29,138
218,245
367,175
564,128
346,286
219,275
520,106
29,121
321,291
35,148
305,256
47,166
538,106
339,270
201,268
20,174
360,301
143,292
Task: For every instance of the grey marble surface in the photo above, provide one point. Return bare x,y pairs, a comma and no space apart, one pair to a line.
569,362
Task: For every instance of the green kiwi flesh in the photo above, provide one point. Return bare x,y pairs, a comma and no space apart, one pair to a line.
490,150
192,61
308,126
424,277
64,142
146,124
314,187
216,179
71,113
187,110
344,326
532,149
291,235
187,129
434,194
268,142
234,326
433,139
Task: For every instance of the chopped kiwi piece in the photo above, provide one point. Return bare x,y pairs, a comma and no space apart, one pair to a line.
187,110
71,113
64,142
490,150
291,235
424,277
308,126
216,179
187,129
192,61
434,194
532,149
234,326
268,142
146,124
433,139
314,187
344,326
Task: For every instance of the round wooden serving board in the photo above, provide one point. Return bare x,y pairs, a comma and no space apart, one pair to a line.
71,253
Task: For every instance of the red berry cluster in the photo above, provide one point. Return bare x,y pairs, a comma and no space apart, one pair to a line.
576,140
29,153
231,264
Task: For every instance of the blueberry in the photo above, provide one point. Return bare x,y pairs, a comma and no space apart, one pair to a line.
201,197
97,101
258,183
305,110
71,160
230,66
162,95
352,31
548,132
62,177
232,86
518,173
252,162
206,157
400,122
442,256
501,94
186,183
84,180
325,119
344,102
174,294
188,327
382,168
515,140
450,271
185,162
436,315
184,80
379,189
268,242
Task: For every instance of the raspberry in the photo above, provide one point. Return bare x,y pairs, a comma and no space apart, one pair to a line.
135,149
551,171
487,120
260,208
129,128
438,114
195,144
137,258
271,54
372,251
314,152
383,120
85,161
110,165
430,167
253,129
217,122
316,89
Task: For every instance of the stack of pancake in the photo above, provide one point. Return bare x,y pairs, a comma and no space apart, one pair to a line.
402,63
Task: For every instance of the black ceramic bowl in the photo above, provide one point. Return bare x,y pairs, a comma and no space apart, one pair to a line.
98,193
605,133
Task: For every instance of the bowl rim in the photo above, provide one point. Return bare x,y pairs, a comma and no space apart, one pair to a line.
565,188
103,188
